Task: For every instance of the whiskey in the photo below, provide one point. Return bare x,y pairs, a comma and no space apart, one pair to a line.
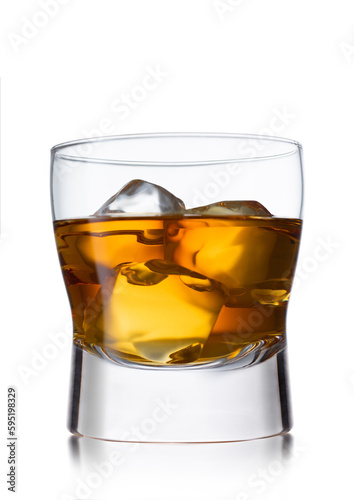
174,291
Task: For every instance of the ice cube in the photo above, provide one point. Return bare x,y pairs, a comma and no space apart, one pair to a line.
101,244
235,254
187,354
143,198
244,208
160,312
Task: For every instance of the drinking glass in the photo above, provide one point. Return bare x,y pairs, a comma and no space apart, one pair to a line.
178,253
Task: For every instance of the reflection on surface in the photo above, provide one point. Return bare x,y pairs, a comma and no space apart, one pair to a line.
74,449
132,471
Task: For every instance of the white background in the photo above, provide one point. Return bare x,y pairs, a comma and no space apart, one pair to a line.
230,66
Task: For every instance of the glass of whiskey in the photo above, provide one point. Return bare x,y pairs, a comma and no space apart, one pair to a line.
178,253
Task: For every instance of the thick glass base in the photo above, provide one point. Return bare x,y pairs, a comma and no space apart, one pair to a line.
119,403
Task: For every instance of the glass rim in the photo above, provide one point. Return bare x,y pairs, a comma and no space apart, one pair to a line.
56,151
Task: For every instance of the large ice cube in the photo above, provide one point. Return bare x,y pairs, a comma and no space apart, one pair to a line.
244,208
160,312
143,198
236,253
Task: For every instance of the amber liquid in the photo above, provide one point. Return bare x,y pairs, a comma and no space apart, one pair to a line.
166,291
